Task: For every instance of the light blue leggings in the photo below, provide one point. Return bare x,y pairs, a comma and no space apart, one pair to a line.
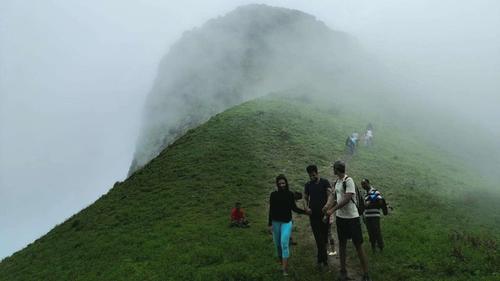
281,237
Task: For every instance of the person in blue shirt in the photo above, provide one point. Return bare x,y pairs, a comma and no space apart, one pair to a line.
373,203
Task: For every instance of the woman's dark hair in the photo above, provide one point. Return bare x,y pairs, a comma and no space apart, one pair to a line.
312,168
281,177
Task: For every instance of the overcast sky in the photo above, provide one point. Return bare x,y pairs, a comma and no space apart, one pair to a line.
74,75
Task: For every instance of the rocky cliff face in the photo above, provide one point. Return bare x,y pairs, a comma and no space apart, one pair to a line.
249,52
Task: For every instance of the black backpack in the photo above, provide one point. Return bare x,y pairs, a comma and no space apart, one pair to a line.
385,209
360,205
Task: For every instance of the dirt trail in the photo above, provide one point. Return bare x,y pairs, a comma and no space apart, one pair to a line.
303,235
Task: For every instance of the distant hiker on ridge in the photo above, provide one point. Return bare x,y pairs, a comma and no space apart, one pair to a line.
368,138
317,194
347,219
373,203
281,205
350,144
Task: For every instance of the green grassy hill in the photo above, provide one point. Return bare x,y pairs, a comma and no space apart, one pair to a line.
169,220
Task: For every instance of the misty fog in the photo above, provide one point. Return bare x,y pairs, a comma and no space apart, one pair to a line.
74,77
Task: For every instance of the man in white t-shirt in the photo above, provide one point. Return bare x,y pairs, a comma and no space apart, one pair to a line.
369,138
347,219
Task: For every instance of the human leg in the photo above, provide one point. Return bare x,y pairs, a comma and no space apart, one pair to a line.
319,237
370,226
378,236
324,226
362,258
286,231
357,240
342,236
342,254
277,238
331,241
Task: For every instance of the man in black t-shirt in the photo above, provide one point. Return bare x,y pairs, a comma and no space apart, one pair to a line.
317,194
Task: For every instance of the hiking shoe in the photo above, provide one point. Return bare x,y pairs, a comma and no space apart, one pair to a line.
343,276
366,277
321,266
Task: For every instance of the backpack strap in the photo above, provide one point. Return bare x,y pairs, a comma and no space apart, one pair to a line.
356,192
359,198
344,185
334,187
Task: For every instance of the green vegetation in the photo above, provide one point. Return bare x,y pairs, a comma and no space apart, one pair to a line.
169,220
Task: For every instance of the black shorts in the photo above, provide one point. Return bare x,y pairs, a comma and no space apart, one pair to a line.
349,229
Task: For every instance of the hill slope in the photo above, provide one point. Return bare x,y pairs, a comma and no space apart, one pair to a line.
169,220
250,51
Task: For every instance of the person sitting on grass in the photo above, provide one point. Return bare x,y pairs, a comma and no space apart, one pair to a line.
238,216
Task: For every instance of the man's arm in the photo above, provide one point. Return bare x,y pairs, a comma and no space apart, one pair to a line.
306,205
331,200
345,199
294,206
306,196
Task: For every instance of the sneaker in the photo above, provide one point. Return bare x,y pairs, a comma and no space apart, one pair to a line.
285,273
343,276
321,266
366,277
330,253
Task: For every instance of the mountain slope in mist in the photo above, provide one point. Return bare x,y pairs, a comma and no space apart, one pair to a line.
259,49
252,50
169,220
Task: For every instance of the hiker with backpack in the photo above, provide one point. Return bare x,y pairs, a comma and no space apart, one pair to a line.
374,203
368,138
347,211
350,145
281,205
318,194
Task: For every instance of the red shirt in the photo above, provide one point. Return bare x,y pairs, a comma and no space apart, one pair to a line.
237,214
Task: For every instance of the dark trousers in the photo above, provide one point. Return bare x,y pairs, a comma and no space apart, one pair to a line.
373,227
320,232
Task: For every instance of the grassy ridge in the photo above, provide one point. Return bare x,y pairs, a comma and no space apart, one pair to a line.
169,220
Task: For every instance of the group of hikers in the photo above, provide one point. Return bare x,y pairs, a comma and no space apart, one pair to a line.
352,141
324,203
